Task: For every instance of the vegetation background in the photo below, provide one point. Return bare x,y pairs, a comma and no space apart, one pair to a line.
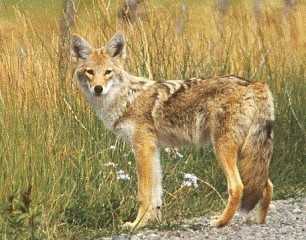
63,176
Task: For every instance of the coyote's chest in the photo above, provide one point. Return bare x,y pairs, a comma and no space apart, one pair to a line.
113,108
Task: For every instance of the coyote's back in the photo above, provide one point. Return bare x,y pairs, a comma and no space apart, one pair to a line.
234,114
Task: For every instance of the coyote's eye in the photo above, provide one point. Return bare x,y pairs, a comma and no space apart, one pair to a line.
107,72
90,71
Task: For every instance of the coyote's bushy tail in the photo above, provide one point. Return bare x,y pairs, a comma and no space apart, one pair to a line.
256,154
255,157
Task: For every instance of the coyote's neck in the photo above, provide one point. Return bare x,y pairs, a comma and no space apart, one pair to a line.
112,106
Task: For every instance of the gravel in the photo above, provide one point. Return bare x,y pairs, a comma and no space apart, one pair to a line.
286,220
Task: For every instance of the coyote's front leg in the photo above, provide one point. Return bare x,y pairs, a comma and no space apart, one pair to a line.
149,181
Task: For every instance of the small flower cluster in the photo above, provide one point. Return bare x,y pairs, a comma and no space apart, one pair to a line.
110,164
121,175
190,180
174,152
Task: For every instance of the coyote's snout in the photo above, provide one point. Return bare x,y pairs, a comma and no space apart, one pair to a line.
234,114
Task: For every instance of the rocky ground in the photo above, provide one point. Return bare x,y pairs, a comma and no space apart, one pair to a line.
286,220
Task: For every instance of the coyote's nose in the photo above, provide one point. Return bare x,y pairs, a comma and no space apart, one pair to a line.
98,89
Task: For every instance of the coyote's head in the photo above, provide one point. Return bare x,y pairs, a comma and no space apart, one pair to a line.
99,69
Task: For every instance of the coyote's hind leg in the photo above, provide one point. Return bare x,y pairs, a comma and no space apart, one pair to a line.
226,153
265,202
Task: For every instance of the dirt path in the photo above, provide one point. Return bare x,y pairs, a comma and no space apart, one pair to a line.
286,220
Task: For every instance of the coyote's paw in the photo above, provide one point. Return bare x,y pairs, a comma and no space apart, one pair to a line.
252,219
255,219
128,226
143,220
217,223
214,223
131,226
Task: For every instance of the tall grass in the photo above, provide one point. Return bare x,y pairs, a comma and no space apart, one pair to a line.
59,174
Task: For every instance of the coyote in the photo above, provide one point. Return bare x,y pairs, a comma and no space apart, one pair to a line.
232,113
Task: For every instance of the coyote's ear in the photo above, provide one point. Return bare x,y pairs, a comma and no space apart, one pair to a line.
80,48
116,46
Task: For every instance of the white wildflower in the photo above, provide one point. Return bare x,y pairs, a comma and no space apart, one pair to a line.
186,184
190,180
177,153
121,175
110,164
112,147
174,152
167,149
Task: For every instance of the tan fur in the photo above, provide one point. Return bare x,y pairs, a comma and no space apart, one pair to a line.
235,115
